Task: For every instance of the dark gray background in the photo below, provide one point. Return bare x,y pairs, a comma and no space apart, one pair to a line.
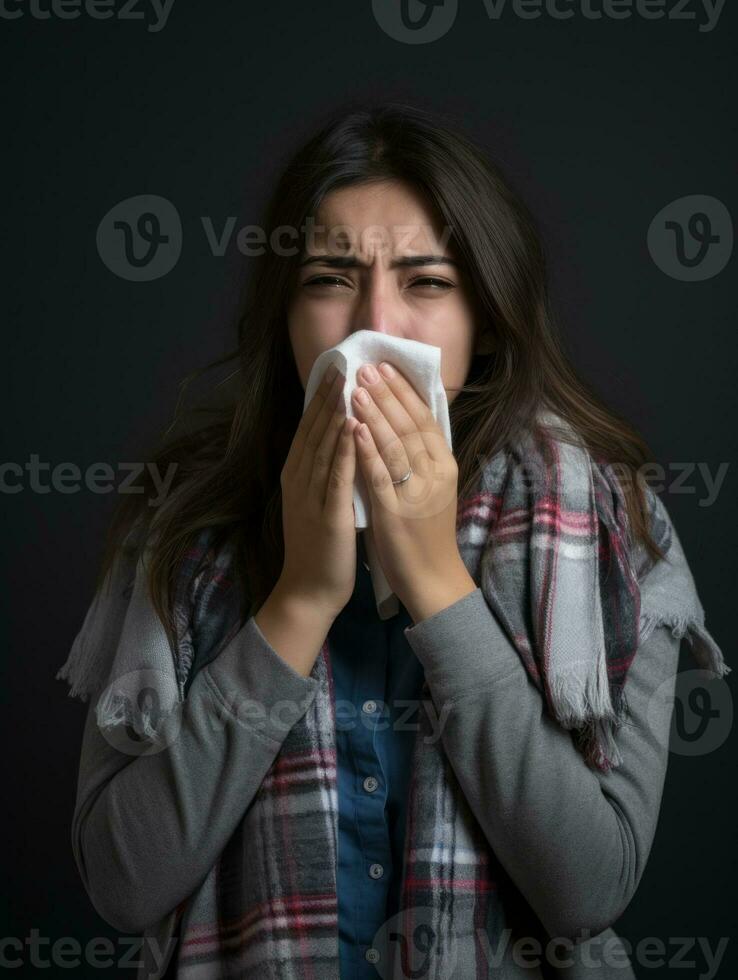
598,123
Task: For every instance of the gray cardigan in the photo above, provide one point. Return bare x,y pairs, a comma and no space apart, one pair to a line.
574,841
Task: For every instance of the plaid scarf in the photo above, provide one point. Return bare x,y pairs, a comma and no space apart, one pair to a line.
546,537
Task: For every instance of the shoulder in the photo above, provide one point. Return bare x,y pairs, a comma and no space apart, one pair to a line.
547,482
547,468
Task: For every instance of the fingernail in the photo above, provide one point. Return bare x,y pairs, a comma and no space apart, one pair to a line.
369,373
387,370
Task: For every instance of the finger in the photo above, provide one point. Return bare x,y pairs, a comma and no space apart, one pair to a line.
395,434
308,418
322,458
376,474
419,413
314,429
392,447
340,488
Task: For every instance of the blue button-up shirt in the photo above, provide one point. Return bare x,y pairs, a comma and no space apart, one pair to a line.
377,685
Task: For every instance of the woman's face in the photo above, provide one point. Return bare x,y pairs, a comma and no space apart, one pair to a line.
377,259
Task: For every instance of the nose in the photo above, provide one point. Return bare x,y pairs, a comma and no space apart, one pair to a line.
377,306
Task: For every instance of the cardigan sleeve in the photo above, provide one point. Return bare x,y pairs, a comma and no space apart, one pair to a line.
146,830
574,841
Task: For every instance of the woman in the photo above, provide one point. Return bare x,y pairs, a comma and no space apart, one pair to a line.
292,822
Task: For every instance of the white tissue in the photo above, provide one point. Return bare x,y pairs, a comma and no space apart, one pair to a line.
421,365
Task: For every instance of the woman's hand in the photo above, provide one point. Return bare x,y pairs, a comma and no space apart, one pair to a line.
413,523
317,503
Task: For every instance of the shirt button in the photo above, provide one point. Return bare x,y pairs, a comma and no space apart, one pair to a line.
376,870
369,707
370,784
372,955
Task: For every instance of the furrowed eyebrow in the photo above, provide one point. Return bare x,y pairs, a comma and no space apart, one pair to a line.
351,262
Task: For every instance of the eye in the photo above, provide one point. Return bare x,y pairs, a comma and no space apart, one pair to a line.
432,281
326,281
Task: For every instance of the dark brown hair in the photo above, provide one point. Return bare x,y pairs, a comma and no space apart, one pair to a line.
228,465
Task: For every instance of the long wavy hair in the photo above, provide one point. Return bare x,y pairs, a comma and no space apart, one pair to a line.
229,450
